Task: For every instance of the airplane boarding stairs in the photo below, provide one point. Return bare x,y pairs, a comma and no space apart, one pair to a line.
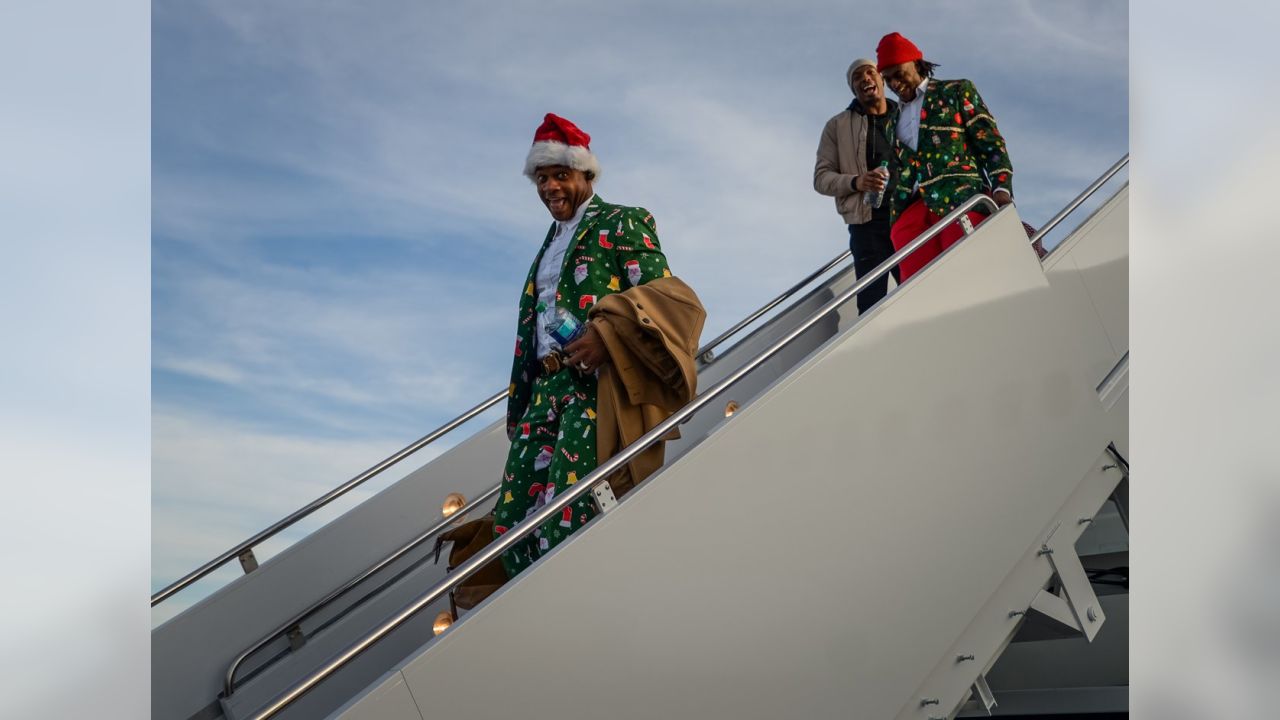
897,501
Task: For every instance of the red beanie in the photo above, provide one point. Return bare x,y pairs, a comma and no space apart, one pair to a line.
895,50
559,142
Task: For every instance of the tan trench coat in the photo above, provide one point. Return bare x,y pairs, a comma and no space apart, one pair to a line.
651,332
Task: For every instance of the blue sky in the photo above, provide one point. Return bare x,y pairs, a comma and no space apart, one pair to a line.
340,228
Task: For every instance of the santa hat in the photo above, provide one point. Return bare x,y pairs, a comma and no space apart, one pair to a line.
559,142
895,50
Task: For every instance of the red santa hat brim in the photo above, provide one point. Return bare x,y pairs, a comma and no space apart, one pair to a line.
551,152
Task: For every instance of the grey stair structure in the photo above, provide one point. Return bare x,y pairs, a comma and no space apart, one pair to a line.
916,513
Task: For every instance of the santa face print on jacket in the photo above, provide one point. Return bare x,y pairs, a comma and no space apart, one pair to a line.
634,272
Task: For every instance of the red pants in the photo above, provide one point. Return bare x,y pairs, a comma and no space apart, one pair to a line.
915,220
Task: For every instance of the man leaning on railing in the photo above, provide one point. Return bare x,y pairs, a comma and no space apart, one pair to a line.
949,149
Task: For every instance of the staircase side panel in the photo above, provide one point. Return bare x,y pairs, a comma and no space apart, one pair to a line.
194,649
820,551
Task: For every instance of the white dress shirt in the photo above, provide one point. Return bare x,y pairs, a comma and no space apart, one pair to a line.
547,279
909,117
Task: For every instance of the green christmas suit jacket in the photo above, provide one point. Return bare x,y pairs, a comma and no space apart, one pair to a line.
958,144
614,248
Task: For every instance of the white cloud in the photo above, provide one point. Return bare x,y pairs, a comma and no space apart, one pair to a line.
350,339
216,483
1090,31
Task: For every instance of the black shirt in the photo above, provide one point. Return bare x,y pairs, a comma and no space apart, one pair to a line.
880,147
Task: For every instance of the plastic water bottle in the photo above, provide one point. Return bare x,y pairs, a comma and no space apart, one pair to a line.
564,327
875,198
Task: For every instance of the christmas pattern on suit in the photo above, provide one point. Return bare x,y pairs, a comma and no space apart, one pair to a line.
551,419
958,143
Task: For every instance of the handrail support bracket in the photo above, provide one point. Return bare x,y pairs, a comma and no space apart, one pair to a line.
602,494
296,638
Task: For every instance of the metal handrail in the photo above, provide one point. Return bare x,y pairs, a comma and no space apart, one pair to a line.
334,494
1071,206
283,629
703,352
526,527
229,682
321,501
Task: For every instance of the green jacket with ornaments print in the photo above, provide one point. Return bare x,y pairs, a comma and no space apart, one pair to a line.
959,150
614,248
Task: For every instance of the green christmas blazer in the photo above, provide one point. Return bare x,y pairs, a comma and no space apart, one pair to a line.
615,248
958,143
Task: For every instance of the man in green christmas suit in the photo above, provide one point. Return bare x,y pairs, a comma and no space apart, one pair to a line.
949,149
593,249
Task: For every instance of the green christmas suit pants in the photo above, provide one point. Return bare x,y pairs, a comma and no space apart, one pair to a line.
554,446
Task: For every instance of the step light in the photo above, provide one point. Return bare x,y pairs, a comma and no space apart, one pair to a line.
453,502
442,623
731,408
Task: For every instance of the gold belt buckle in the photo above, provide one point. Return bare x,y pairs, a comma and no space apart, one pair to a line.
551,364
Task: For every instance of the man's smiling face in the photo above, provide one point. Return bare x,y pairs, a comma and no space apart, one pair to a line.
867,85
903,79
562,189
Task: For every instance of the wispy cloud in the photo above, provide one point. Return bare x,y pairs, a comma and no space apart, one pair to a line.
216,482
350,341
1092,31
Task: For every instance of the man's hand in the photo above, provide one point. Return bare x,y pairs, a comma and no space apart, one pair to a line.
588,352
872,180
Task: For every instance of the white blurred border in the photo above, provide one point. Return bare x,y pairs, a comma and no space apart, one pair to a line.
74,371
1205,393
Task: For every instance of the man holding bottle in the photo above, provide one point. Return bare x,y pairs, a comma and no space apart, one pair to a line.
854,145
593,249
